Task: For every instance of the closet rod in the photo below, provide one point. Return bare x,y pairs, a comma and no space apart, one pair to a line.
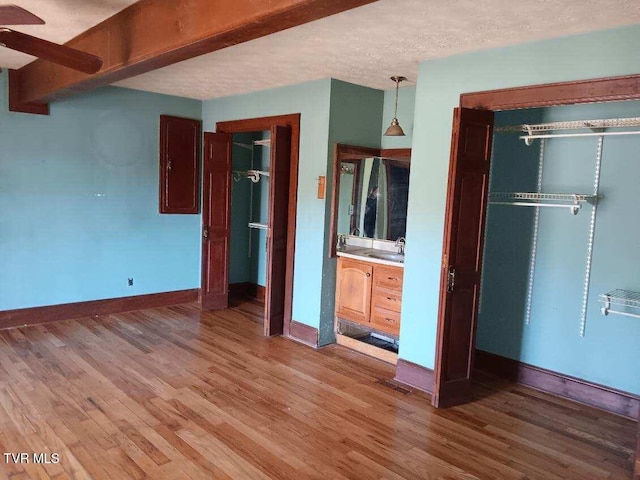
527,138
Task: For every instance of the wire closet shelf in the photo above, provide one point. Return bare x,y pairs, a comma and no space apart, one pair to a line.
572,201
619,302
597,128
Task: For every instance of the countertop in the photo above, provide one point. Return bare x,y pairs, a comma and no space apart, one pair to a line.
367,254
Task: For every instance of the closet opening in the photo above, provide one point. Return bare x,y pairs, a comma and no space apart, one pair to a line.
249,204
467,200
463,246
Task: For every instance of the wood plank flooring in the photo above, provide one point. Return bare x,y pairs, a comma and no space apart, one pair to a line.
173,393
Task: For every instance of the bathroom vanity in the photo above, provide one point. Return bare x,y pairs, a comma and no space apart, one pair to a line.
370,193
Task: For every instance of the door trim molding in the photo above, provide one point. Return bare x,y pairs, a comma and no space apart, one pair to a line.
581,391
262,124
609,89
23,317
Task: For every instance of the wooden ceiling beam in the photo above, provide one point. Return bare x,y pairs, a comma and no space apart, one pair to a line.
152,34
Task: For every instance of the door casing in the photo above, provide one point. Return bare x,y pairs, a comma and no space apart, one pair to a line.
262,124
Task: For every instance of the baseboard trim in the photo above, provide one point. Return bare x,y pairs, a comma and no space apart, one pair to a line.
414,375
247,290
69,311
303,333
578,390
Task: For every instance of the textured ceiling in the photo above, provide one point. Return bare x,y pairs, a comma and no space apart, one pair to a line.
64,20
369,44
364,46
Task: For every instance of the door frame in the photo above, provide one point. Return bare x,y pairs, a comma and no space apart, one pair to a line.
262,124
609,89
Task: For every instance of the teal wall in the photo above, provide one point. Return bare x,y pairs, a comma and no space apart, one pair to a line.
312,100
609,351
355,119
406,112
240,256
440,83
79,202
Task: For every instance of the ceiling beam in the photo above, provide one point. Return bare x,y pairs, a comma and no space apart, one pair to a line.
152,34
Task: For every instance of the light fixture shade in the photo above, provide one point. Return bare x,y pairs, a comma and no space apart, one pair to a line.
394,130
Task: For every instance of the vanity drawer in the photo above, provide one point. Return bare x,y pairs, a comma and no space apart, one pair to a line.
388,277
387,299
385,320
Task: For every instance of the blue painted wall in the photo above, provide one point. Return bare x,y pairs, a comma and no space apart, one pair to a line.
608,353
406,112
355,119
79,202
312,100
440,83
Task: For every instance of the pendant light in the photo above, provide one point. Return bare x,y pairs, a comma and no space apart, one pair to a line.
395,130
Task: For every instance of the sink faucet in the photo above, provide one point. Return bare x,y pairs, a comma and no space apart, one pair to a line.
400,244
342,241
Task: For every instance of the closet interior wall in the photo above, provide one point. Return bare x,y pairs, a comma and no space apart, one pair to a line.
249,204
608,353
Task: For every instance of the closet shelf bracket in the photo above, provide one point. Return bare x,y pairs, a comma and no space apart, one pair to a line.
622,301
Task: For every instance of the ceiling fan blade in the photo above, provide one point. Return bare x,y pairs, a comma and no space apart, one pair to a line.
15,15
60,54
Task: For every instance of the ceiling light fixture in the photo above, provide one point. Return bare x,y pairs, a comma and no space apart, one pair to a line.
395,130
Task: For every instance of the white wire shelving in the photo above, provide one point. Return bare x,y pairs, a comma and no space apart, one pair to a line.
619,302
596,127
259,226
572,201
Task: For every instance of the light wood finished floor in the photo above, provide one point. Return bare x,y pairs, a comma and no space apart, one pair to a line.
171,393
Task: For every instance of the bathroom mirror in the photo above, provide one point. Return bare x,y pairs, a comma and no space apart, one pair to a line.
370,193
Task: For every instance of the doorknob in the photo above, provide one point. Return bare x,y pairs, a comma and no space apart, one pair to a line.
451,279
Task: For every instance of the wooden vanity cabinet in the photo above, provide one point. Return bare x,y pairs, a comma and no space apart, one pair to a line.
369,294
353,290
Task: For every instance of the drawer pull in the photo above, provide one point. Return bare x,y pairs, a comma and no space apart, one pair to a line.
393,279
368,274
389,320
391,299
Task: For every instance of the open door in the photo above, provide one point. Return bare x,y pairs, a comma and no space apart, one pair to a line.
462,255
216,203
277,233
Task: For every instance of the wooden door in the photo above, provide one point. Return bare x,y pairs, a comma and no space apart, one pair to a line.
462,254
353,290
179,164
216,204
636,470
279,170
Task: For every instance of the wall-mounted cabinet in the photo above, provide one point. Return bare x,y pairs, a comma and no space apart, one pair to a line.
180,146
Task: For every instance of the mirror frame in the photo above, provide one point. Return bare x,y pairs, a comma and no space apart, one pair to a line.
350,153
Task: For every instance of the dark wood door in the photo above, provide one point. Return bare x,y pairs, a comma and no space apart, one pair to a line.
636,470
279,171
462,254
216,204
179,164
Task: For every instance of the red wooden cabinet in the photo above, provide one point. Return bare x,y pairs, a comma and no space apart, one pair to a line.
180,146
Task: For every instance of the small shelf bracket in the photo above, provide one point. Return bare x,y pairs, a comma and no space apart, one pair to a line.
622,300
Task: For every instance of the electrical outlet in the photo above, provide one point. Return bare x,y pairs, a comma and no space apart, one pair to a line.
130,282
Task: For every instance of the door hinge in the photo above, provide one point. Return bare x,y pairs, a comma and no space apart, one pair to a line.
451,279
205,232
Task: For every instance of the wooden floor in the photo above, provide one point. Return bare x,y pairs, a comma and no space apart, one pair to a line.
172,393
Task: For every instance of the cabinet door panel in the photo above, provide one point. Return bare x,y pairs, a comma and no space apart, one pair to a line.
180,147
353,290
